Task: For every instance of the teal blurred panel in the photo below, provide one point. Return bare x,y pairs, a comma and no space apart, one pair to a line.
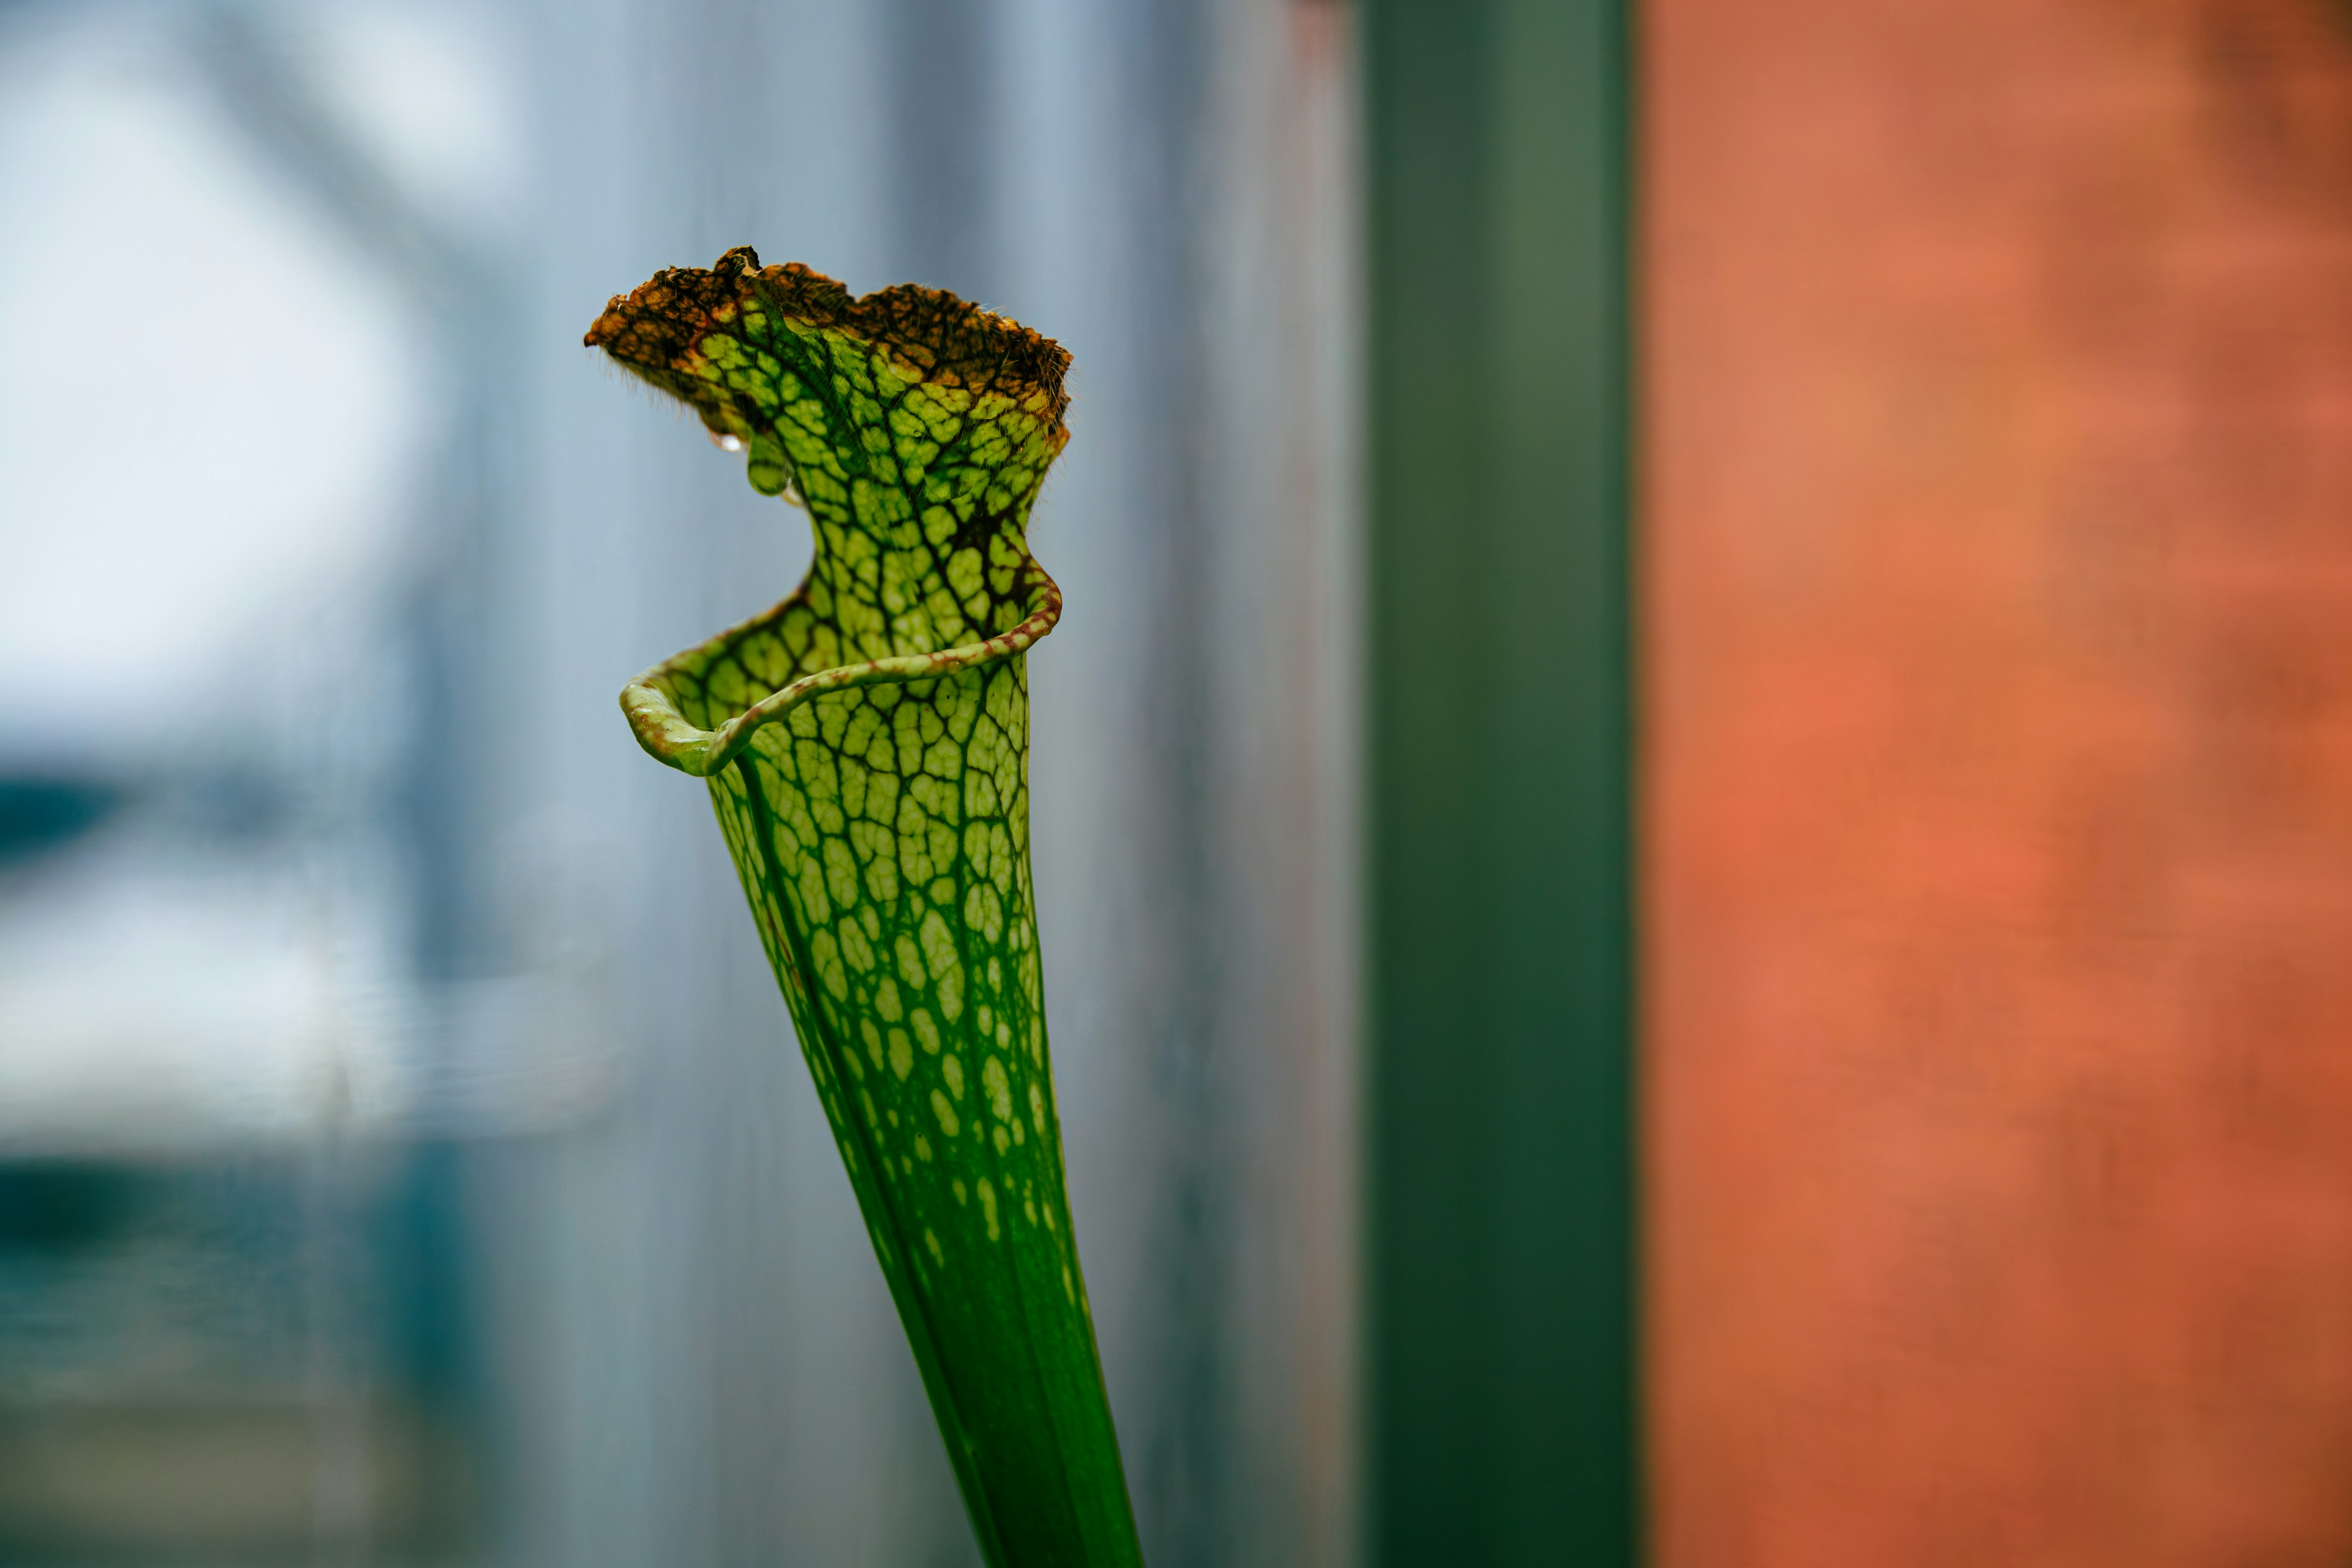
1501,1336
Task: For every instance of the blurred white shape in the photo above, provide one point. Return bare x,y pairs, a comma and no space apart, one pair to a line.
427,86
204,411
149,1009
159,1003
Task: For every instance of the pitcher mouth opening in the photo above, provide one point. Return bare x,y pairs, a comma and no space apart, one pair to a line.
913,426
669,737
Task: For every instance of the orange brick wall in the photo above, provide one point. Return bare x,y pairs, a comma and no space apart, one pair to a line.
1999,729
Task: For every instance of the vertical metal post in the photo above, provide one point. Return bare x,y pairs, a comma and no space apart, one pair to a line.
1501,1347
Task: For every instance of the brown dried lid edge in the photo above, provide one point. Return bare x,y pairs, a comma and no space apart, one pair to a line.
937,336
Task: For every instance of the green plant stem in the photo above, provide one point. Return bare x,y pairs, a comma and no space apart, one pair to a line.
865,743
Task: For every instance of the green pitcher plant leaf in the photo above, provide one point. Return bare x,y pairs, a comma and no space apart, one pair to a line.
865,743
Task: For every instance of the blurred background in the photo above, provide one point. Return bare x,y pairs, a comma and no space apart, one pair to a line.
1693,815
1998,691
404,1157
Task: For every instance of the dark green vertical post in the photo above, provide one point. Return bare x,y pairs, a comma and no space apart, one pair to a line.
1502,1352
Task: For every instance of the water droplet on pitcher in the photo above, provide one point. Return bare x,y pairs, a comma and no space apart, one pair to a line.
727,443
